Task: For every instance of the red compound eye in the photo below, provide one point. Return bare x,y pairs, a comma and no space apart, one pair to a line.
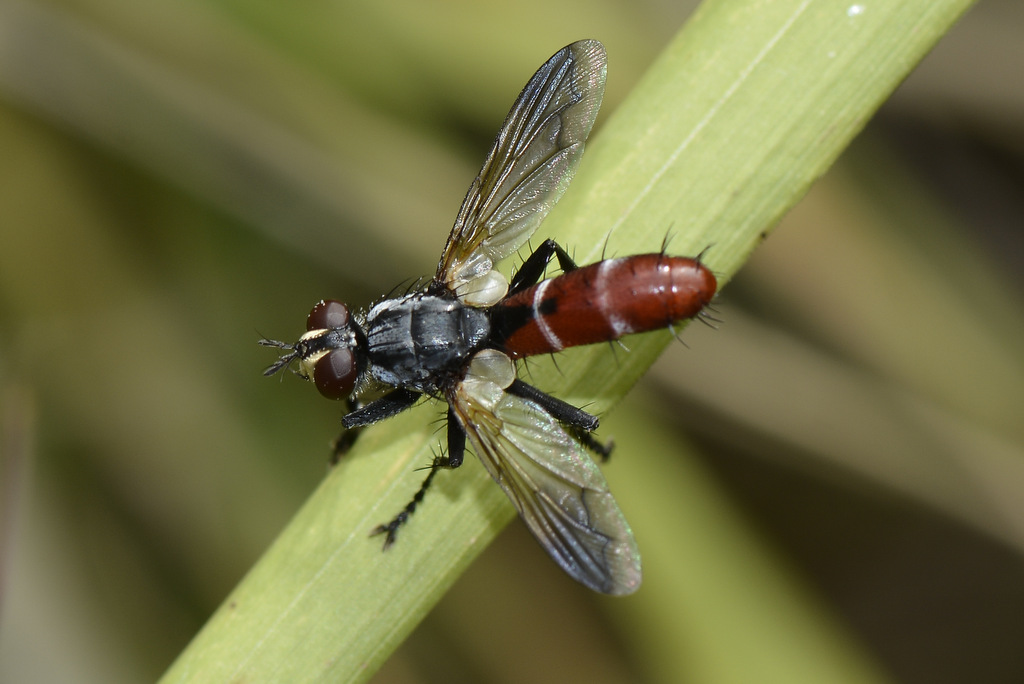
335,374
328,313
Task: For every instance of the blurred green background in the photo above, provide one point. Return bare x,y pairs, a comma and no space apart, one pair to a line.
180,178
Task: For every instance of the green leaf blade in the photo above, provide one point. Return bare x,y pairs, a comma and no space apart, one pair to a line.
749,105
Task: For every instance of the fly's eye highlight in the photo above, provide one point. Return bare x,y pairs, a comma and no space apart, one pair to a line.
328,313
335,373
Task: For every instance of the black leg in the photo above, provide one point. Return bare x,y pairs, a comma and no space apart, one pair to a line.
456,441
562,410
347,438
579,422
390,530
533,268
602,450
391,404
358,416
456,454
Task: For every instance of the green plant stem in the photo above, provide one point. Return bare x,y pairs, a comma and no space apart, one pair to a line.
749,104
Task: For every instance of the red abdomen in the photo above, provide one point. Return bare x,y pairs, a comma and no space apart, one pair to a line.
602,302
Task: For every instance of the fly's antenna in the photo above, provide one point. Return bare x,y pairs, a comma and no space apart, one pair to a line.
284,360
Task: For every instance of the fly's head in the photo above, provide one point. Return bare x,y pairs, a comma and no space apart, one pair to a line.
331,353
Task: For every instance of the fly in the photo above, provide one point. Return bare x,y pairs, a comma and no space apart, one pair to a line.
457,338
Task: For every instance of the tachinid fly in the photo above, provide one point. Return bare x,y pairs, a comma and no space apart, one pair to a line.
457,338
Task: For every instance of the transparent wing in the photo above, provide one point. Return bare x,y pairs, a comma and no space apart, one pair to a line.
559,492
526,172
